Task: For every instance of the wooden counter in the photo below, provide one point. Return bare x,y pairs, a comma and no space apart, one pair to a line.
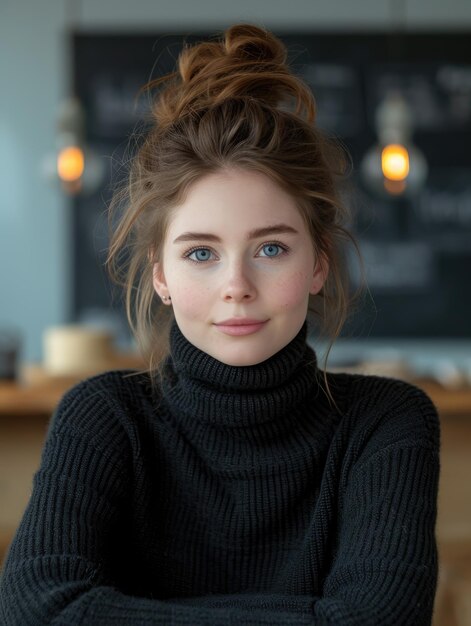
21,400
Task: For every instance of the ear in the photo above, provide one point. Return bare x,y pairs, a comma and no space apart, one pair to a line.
158,279
321,271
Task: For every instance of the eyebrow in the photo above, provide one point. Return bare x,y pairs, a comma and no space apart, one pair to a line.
253,234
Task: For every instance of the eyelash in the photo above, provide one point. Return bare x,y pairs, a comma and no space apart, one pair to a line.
285,249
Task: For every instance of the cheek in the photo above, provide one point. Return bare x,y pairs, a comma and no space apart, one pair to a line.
293,290
188,296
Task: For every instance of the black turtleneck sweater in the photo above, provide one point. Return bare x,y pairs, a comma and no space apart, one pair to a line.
231,495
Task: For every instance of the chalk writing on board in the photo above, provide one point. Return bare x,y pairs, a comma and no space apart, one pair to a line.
116,105
338,98
397,266
439,95
443,209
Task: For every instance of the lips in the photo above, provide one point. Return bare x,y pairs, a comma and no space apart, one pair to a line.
247,321
238,329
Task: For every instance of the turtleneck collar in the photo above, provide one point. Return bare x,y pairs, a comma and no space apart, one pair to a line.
201,387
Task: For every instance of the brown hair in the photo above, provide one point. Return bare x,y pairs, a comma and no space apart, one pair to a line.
228,105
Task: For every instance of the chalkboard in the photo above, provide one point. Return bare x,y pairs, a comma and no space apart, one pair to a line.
417,250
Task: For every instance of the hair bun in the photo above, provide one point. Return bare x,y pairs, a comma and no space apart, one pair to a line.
243,48
246,41
246,61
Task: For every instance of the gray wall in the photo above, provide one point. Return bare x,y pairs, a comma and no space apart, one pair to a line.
35,263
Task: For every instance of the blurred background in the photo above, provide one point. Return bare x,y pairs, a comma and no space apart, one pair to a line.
392,81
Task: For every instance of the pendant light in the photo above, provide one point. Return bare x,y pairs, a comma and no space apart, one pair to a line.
394,166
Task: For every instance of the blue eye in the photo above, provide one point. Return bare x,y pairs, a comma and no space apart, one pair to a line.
204,255
272,246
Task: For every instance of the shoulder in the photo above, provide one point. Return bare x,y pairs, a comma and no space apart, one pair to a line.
102,402
389,411
388,392
113,386
114,383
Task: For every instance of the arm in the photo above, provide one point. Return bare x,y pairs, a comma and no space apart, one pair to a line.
385,570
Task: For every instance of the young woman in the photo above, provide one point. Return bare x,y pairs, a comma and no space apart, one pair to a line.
234,482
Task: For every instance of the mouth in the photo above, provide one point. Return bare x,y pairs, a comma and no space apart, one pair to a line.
241,322
239,329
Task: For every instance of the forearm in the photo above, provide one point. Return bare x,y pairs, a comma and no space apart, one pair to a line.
26,601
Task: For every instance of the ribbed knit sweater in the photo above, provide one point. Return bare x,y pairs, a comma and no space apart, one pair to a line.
231,495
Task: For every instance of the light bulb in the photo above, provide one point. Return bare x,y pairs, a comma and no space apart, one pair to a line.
395,162
394,166
70,163
74,165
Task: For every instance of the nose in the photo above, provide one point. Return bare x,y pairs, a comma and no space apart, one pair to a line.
237,284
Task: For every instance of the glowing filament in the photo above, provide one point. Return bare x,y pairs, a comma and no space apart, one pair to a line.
70,163
395,162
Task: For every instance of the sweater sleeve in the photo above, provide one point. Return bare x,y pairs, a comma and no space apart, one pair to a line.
385,566
57,570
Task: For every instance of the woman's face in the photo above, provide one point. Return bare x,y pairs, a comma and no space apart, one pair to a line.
222,273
